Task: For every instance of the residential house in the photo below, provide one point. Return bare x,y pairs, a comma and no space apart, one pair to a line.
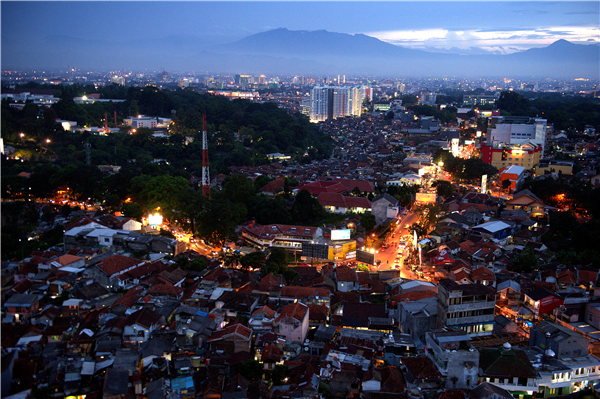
418,316
232,339
384,207
106,272
563,341
420,372
139,325
293,322
346,279
21,306
528,202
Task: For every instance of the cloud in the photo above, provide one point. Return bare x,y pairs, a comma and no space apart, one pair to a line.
497,40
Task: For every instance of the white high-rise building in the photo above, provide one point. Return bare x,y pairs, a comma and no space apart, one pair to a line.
331,102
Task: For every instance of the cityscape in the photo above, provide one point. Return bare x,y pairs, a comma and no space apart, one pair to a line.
231,200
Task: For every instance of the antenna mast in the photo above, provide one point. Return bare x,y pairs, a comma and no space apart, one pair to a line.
205,173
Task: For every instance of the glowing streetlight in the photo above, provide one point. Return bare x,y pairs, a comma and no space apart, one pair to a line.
47,141
22,135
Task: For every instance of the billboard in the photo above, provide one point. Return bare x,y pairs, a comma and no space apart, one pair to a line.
483,183
340,234
315,250
365,257
428,198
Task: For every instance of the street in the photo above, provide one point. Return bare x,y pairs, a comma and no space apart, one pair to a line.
387,256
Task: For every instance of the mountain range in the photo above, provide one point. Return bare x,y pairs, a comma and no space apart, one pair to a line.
283,51
287,52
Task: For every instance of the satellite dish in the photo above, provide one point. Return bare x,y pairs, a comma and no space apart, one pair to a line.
506,345
306,341
306,348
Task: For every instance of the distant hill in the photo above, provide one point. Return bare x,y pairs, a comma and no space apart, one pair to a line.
321,52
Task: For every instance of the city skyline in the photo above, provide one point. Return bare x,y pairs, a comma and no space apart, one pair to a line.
161,34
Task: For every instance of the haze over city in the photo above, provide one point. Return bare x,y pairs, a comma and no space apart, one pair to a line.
182,35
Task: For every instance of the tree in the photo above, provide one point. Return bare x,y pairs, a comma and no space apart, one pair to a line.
427,215
252,370
306,209
367,220
198,264
278,374
526,261
389,116
506,184
254,260
513,103
444,188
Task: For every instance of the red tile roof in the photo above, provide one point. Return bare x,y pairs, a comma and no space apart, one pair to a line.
421,367
587,276
482,273
145,318
294,310
274,186
414,296
304,292
344,273
117,263
339,201
237,329
270,313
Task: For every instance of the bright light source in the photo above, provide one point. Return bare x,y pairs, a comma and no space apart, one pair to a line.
155,220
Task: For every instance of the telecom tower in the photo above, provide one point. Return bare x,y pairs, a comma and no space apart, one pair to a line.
205,173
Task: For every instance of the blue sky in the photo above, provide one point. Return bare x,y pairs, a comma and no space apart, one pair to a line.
41,32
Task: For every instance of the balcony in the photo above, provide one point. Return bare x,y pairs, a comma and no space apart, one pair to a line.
465,306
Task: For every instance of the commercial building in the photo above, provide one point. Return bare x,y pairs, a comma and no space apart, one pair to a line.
139,121
279,235
515,174
469,307
503,155
517,130
553,166
480,99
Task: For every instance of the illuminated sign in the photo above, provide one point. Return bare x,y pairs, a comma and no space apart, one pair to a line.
340,235
155,220
483,183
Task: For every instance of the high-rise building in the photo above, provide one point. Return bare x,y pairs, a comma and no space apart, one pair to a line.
331,102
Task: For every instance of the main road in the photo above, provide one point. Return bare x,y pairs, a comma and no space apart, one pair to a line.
388,255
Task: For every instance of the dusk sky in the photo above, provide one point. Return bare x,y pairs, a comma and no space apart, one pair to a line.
50,34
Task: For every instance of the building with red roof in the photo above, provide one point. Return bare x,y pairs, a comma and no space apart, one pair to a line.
232,339
292,322
338,203
106,271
